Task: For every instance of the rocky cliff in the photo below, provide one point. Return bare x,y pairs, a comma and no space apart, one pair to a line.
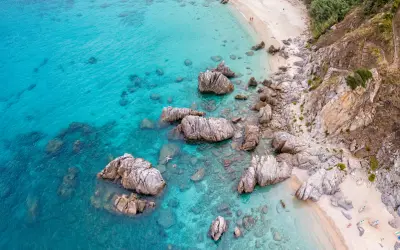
345,105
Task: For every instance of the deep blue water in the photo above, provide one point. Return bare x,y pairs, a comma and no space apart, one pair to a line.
87,71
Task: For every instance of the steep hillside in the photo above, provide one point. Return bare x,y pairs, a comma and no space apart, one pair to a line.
354,87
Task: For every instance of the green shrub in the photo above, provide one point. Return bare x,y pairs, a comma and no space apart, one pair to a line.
364,73
341,166
359,78
373,6
325,13
395,6
371,177
373,163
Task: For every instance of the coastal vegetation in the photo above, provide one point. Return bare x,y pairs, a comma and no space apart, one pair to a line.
359,78
326,13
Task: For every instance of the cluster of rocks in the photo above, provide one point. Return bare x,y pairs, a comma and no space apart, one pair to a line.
131,205
134,174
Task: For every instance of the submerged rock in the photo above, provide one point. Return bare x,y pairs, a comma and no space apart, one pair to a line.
170,114
249,53
321,182
207,129
54,146
67,187
216,58
214,82
166,218
159,72
92,60
135,174
224,1
168,152
258,46
225,70
131,205
218,228
251,137
199,175
188,62
147,124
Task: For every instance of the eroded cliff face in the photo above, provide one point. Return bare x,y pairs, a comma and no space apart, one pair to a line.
366,119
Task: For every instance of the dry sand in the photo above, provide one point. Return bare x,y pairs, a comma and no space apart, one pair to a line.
274,21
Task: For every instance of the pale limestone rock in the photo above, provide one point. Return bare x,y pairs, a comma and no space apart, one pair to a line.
135,174
214,82
321,182
265,114
251,137
206,129
218,228
171,114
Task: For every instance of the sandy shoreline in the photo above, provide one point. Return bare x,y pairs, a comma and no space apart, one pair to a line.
265,14
277,20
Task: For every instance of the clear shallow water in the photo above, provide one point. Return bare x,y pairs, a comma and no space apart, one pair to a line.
50,81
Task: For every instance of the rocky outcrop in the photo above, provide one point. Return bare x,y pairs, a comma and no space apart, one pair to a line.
251,137
252,82
171,114
265,114
225,70
241,97
214,82
320,183
264,170
131,205
258,46
286,143
218,228
272,50
135,174
269,171
206,129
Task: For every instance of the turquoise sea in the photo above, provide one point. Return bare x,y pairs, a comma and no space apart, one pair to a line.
88,73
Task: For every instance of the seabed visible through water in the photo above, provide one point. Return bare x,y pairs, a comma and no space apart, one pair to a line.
85,74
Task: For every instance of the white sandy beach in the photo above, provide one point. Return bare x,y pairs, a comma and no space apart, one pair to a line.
274,21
